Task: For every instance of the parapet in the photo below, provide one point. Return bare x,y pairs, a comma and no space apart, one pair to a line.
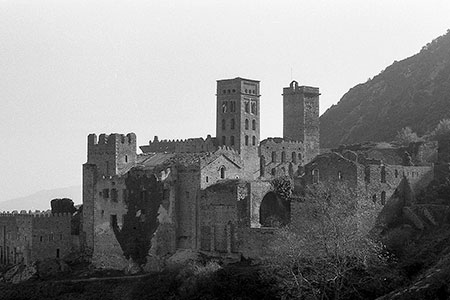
36,214
191,145
294,88
111,140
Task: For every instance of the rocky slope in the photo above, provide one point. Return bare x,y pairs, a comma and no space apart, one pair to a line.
413,92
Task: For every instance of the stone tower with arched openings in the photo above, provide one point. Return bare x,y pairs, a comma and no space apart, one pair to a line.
238,121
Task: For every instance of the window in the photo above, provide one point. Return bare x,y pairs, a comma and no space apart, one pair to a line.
232,123
223,124
57,253
224,91
207,179
246,140
339,175
254,124
246,124
283,156
274,156
315,176
114,195
113,220
40,238
254,140
232,140
232,106
300,158
222,172
254,110
246,105
126,158
224,106
294,157
383,174
229,91
105,193
224,140
374,198
396,173
367,174
383,198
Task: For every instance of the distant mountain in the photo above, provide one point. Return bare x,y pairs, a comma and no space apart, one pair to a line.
413,92
41,199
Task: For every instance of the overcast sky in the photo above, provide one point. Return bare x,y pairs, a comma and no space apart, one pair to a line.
70,68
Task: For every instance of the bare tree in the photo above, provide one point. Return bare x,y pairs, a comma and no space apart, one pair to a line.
316,254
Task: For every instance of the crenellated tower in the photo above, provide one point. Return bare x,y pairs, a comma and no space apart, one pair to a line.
108,156
301,117
238,121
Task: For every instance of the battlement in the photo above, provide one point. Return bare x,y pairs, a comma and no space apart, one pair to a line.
110,140
294,88
35,214
191,145
279,140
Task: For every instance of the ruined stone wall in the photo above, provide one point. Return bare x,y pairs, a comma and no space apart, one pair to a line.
192,145
188,184
280,158
256,242
51,236
219,217
379,188
15,238
109,203
257,191
89,195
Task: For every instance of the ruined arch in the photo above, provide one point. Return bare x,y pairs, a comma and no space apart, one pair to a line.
274,212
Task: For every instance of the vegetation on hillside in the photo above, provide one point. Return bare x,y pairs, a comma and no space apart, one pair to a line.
411,93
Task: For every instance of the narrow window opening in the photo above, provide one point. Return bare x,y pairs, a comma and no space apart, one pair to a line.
274,156
254,140
383,198
222,172
254,124
232,140
246,124
246,140
283,156
315,176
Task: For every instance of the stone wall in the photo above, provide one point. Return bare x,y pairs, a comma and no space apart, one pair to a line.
51,236
279,157
192,145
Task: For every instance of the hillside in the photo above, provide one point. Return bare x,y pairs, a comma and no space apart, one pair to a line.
413,92
41,200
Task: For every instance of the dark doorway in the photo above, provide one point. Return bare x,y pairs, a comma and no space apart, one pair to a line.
274,212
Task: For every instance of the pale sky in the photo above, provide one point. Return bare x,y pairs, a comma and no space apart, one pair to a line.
70,68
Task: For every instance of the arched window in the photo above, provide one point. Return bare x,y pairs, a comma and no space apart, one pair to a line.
254,124
254,140
283,156
315,176
246,140
224,140
383,174
232,140
232,124
223,124
246,105
224,106
246,124
294,157
274,156
383,198
222,172
254,108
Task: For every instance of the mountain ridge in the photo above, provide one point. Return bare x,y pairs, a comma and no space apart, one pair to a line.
413,92
40,200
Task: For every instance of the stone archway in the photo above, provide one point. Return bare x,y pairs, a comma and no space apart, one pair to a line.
274,212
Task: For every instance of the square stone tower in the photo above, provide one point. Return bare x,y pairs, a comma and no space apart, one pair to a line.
301,117
237,122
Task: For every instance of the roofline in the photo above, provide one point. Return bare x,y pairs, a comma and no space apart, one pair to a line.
232,79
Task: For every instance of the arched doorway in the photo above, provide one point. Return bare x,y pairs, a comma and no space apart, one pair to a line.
274,212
